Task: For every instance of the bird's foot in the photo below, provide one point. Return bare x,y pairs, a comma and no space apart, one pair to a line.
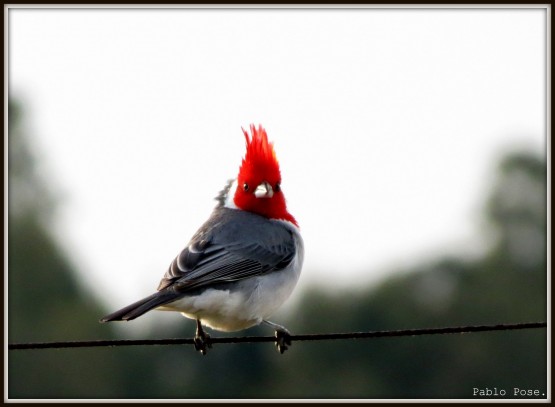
283,337
283,340
202,343
201,339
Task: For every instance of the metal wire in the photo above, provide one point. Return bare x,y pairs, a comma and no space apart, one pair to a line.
256,339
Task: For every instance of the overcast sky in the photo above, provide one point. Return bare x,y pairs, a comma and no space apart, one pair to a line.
388,124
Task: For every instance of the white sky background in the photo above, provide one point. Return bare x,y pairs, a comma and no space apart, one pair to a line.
388,125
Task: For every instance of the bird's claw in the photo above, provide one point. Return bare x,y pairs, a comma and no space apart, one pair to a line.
283,340
202,343
201,340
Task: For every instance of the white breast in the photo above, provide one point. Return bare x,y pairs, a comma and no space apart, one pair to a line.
244,303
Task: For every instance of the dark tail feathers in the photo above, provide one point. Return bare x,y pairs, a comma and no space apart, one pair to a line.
140,307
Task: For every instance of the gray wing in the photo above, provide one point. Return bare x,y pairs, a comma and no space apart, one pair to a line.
230,246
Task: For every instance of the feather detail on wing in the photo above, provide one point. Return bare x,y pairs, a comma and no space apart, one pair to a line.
219,256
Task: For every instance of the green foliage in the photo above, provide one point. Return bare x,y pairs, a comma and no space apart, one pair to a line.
507,285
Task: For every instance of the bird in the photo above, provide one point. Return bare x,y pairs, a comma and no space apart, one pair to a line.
243,263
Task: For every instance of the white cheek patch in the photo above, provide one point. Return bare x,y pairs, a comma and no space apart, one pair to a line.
228,203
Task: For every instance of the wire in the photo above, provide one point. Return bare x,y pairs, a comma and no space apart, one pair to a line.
256,339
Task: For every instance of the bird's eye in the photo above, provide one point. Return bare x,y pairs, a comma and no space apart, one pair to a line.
278,187
245,187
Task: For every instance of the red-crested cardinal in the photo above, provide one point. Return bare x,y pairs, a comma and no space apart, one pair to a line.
242,263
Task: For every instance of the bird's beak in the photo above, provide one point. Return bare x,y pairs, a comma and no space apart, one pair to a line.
264,190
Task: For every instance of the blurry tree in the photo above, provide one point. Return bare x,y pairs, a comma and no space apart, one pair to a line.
45,302
517,209
508,285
